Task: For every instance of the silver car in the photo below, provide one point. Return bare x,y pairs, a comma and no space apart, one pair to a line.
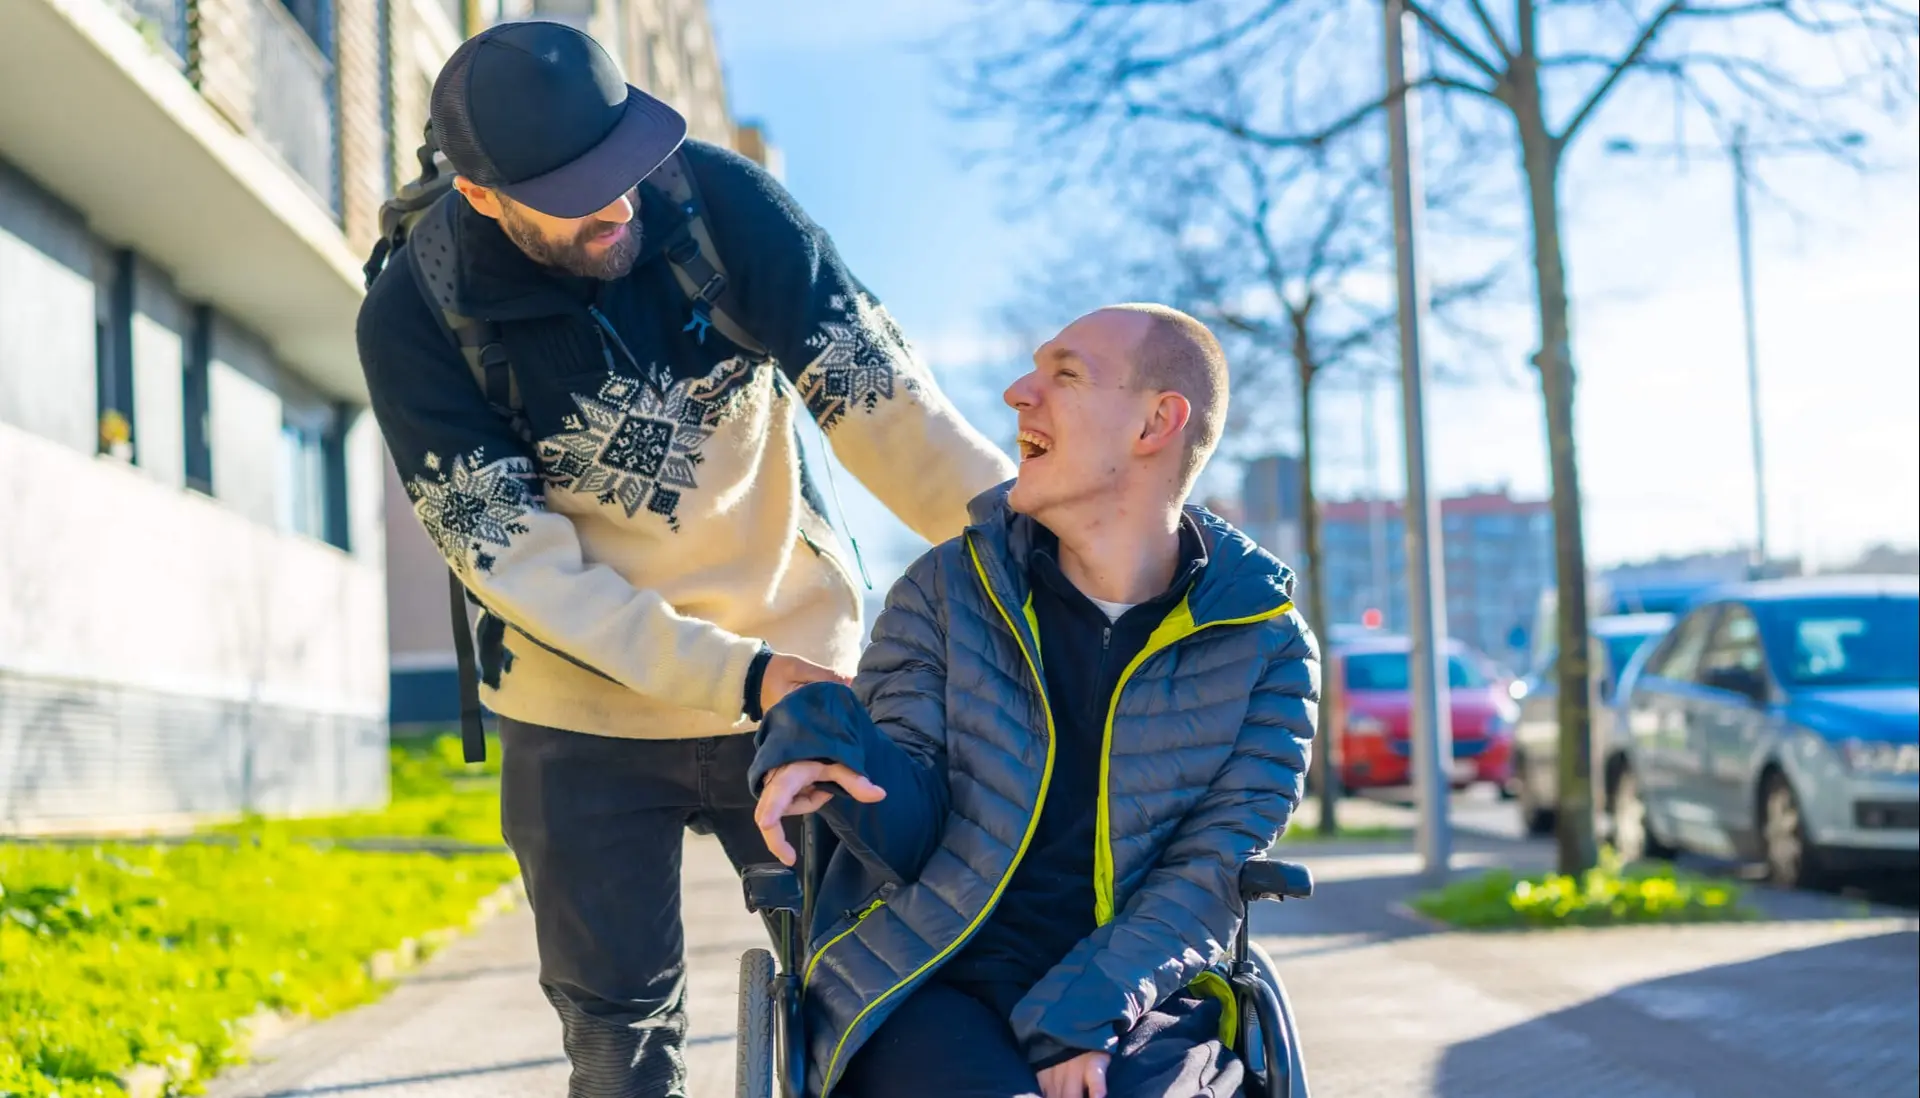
1536,736
1780,720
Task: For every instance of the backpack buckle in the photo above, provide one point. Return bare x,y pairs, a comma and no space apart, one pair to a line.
710,293
699,325
683,249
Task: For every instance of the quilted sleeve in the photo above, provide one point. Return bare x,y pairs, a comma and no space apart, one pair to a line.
891,728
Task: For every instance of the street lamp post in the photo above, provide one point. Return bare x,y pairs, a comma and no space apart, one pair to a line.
1432,726
1739,151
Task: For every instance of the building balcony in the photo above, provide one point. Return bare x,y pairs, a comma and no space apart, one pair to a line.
201,134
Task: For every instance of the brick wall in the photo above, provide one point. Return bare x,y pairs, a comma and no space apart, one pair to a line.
220,57
363,137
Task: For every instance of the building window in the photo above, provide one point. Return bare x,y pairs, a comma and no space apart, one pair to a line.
196,403
333,452
303,476
113,355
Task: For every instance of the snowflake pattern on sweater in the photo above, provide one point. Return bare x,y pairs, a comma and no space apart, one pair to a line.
636,444
473,505
858,360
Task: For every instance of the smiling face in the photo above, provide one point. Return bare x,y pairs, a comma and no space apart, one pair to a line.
1087,429
601,245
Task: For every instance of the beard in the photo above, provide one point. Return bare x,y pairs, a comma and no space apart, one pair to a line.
575,256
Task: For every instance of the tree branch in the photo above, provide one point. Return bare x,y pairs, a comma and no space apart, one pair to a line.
1465,52
1641,43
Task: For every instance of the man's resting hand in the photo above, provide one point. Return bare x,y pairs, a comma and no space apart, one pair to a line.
785,674
1084,1076
799,788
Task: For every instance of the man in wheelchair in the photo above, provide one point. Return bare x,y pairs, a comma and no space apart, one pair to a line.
1074,725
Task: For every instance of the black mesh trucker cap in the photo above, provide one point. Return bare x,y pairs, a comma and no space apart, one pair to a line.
538,111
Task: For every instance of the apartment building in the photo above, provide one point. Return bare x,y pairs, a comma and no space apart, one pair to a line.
194,560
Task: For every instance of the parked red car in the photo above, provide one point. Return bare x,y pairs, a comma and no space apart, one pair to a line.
1369,710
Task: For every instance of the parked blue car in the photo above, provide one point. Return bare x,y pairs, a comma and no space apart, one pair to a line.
1779,721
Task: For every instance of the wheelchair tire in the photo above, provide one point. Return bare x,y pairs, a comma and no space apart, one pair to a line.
1286,1063
754,1041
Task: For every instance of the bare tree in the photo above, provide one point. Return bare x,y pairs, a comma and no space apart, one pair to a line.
1080,73
1286,253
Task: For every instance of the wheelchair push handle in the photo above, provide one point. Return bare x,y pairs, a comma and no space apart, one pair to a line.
1271,879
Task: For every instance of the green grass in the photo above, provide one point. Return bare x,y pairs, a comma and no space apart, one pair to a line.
1306,833
1609,896
119,954
436,796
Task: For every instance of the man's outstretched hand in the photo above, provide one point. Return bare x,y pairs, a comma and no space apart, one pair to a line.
797,789
1084,1076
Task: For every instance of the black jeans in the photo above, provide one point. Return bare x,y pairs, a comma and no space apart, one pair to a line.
597,825
946,1043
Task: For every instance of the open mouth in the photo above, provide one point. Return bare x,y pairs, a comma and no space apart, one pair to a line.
1033,445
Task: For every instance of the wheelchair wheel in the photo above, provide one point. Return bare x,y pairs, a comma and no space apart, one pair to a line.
1285,1065
754,1042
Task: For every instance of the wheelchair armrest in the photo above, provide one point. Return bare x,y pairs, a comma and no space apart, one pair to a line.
771,887
1271,879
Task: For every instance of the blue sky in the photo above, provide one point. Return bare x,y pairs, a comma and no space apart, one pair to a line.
852,97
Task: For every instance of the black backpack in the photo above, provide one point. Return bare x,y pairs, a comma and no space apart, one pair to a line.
423,212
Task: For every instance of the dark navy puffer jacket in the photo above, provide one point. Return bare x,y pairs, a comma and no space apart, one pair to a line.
1205,748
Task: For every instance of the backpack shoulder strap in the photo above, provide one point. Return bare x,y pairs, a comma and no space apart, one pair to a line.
696,262
431,245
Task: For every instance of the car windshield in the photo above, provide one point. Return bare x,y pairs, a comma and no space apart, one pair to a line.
1844,642
1622,646
1389,670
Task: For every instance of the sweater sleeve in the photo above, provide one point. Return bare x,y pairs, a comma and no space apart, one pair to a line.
477,491
1181,919
879,406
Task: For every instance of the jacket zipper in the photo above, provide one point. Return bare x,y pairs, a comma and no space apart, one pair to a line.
858,918
1046,780
1176,627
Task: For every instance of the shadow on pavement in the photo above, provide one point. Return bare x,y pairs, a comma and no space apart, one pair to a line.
428,1077
1836,1019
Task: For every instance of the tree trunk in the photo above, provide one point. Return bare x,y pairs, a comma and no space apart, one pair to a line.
1324,764
1540,156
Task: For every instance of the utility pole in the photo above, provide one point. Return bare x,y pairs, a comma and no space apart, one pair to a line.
1741,152
1738,150
1432,731
1382,597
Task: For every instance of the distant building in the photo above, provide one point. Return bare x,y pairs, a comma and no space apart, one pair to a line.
1498,553
1269,506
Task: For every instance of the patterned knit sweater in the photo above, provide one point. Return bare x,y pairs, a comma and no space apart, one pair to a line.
658,530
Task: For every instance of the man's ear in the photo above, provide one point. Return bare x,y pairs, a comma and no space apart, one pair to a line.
482,199
1166,422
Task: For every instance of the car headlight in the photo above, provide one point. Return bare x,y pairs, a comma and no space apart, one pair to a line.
1871,757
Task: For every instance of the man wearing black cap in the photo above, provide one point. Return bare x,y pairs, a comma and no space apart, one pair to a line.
634,515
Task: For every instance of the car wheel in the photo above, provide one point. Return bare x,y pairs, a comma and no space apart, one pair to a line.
1633,836
1536,819
1792,860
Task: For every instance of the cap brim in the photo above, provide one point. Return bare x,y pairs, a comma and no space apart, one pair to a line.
648,132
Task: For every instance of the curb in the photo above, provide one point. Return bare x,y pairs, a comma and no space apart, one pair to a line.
384,967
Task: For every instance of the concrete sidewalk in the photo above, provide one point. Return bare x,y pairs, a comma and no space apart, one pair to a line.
1820,1001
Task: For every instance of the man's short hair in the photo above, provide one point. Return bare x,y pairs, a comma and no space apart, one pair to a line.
1179,354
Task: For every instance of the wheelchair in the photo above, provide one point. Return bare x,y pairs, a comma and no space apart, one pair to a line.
771,1054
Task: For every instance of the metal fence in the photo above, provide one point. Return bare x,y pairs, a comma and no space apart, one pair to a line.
163,23
293,99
